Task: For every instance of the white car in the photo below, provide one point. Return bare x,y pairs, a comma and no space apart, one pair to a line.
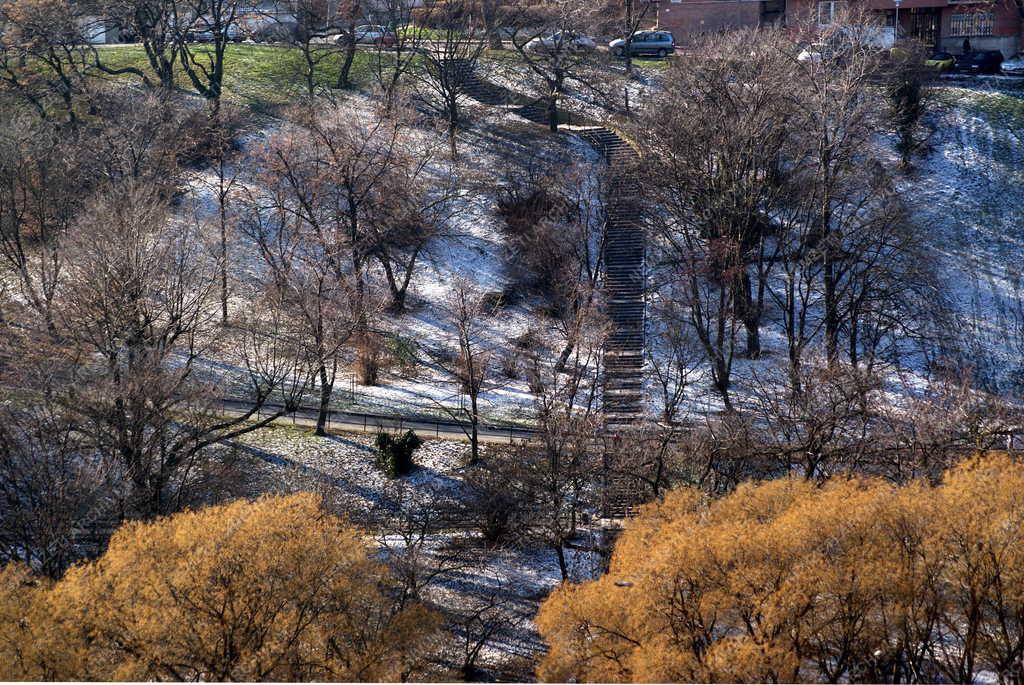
371,34
1014,65
562,40
812,53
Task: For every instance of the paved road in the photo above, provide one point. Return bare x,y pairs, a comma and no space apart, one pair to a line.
373,423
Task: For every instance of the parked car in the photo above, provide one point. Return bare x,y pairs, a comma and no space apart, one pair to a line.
941,61
371,34
275,32
655,43
1014,66
202,31
562,40
980,62
812,53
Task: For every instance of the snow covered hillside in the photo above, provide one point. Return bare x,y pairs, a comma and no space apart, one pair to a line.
967,199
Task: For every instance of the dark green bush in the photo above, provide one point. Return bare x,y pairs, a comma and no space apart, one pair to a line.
394,455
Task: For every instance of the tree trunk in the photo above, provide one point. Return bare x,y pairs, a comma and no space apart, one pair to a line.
553,112
307,53
831,315
474,437
222,200
562,566
344,81
722,384
750,314
489,10
563,358
326,388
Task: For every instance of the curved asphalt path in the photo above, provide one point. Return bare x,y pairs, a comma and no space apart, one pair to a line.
353,422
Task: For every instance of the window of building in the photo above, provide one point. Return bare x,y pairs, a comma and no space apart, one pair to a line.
971,24
828,11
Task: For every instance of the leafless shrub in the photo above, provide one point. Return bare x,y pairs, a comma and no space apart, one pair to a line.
368,358
510,366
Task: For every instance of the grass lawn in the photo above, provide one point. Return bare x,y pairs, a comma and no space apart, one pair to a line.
425,33
262,77
510,55
1001,107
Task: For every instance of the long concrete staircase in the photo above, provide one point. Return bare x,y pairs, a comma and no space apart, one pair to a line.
464,72
624,274
624,280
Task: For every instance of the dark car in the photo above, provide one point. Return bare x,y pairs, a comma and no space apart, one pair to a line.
654,43
980,62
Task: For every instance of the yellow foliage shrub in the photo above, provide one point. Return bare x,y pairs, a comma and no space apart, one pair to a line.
266,590
788,581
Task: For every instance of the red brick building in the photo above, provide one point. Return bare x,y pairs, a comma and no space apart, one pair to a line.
944,24
694,17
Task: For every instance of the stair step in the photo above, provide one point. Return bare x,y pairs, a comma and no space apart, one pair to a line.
624,268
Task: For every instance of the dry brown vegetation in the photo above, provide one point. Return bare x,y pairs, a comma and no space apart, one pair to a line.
785,581
267,590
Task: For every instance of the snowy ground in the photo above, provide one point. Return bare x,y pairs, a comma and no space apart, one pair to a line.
963,193
472,252
967,197
505,584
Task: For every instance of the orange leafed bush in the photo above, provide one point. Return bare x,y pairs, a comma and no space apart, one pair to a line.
267,590
855,580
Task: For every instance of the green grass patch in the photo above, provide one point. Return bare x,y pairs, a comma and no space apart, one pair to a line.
262,77
998,107
426,33
654,64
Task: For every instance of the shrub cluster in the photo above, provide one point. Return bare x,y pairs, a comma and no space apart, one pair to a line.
273,589
394,455
789,581
537,251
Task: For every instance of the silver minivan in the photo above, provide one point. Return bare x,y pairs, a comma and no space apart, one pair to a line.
646,43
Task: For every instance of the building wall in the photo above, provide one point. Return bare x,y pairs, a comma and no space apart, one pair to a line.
1006,26
1006,30
694,17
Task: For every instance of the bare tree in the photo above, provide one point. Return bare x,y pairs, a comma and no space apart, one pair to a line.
48,172
395,60
583,231
412,208
321,29
306,220
220,136
482,620
838,111
205,67
345,20
449,58
158,26
59,493
411,527
545,39
909,97
44,55
719,138
44,180
674,357
549,488
467,358
556,230
130,323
